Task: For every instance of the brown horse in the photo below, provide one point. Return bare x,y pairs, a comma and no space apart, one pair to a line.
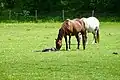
71,28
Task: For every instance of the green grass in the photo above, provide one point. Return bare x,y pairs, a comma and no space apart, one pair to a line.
19,62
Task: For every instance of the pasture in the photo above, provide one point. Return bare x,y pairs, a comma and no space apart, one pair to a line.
18,61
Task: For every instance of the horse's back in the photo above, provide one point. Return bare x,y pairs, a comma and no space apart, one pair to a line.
77,25
72,26
93,22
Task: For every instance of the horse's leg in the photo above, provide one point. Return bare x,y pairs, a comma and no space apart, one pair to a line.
94,38
98,36
84,39
78,40
86,35
80,35
69,41
66,42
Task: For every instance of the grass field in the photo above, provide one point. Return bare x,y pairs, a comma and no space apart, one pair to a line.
18,61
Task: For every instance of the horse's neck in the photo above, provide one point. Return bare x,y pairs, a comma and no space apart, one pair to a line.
59,37
60,34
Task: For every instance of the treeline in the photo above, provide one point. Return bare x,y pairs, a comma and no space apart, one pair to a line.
55,5
11,9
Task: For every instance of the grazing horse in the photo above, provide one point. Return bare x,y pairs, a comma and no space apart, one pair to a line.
92,26
71,28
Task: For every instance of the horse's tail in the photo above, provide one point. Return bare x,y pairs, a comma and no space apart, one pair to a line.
98,36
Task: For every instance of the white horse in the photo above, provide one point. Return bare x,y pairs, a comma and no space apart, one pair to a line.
92,26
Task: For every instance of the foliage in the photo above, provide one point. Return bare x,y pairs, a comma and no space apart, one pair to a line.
53,5
24,10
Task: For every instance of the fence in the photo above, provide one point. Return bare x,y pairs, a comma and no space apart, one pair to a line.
25,15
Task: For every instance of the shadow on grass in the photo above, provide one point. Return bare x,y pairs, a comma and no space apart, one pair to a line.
71,50
56,50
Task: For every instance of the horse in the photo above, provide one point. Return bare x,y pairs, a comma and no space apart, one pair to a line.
71,28
92,26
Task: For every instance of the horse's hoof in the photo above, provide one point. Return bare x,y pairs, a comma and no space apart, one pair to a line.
94,43
67,49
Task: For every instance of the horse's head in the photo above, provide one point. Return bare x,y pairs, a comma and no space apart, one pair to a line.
58,44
